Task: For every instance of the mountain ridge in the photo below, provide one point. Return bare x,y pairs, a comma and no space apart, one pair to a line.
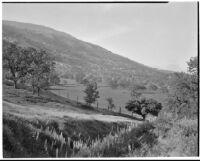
72,54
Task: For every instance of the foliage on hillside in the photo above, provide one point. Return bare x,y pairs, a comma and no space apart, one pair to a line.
74,56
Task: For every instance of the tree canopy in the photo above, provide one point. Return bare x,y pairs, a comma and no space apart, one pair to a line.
15,60
40,71
144,106
32,66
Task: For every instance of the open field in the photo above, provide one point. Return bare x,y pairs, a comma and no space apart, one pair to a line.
22,101
120,96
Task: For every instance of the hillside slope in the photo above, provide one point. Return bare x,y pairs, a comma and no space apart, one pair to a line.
39,126
73,55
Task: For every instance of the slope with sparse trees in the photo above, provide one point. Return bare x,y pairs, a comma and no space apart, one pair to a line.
28,65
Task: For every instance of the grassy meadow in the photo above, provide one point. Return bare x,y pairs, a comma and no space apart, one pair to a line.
121,96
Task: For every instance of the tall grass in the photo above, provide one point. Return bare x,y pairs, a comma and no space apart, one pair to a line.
122,142
67,147
31,138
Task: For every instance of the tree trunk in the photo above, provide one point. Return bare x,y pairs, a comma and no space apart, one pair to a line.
38,91
14,78
120,110
15,84
33,90
143,116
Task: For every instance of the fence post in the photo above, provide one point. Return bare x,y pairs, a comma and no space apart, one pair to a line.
97,105
120,110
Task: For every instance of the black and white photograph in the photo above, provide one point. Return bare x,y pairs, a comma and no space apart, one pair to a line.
100,79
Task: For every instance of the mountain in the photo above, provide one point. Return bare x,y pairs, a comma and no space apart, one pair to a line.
73,55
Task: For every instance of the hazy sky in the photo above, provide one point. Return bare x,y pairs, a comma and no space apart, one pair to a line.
157,35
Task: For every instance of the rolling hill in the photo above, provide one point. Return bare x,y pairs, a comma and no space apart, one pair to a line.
73,55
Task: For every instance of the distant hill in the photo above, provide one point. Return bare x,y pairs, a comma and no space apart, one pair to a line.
73,55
